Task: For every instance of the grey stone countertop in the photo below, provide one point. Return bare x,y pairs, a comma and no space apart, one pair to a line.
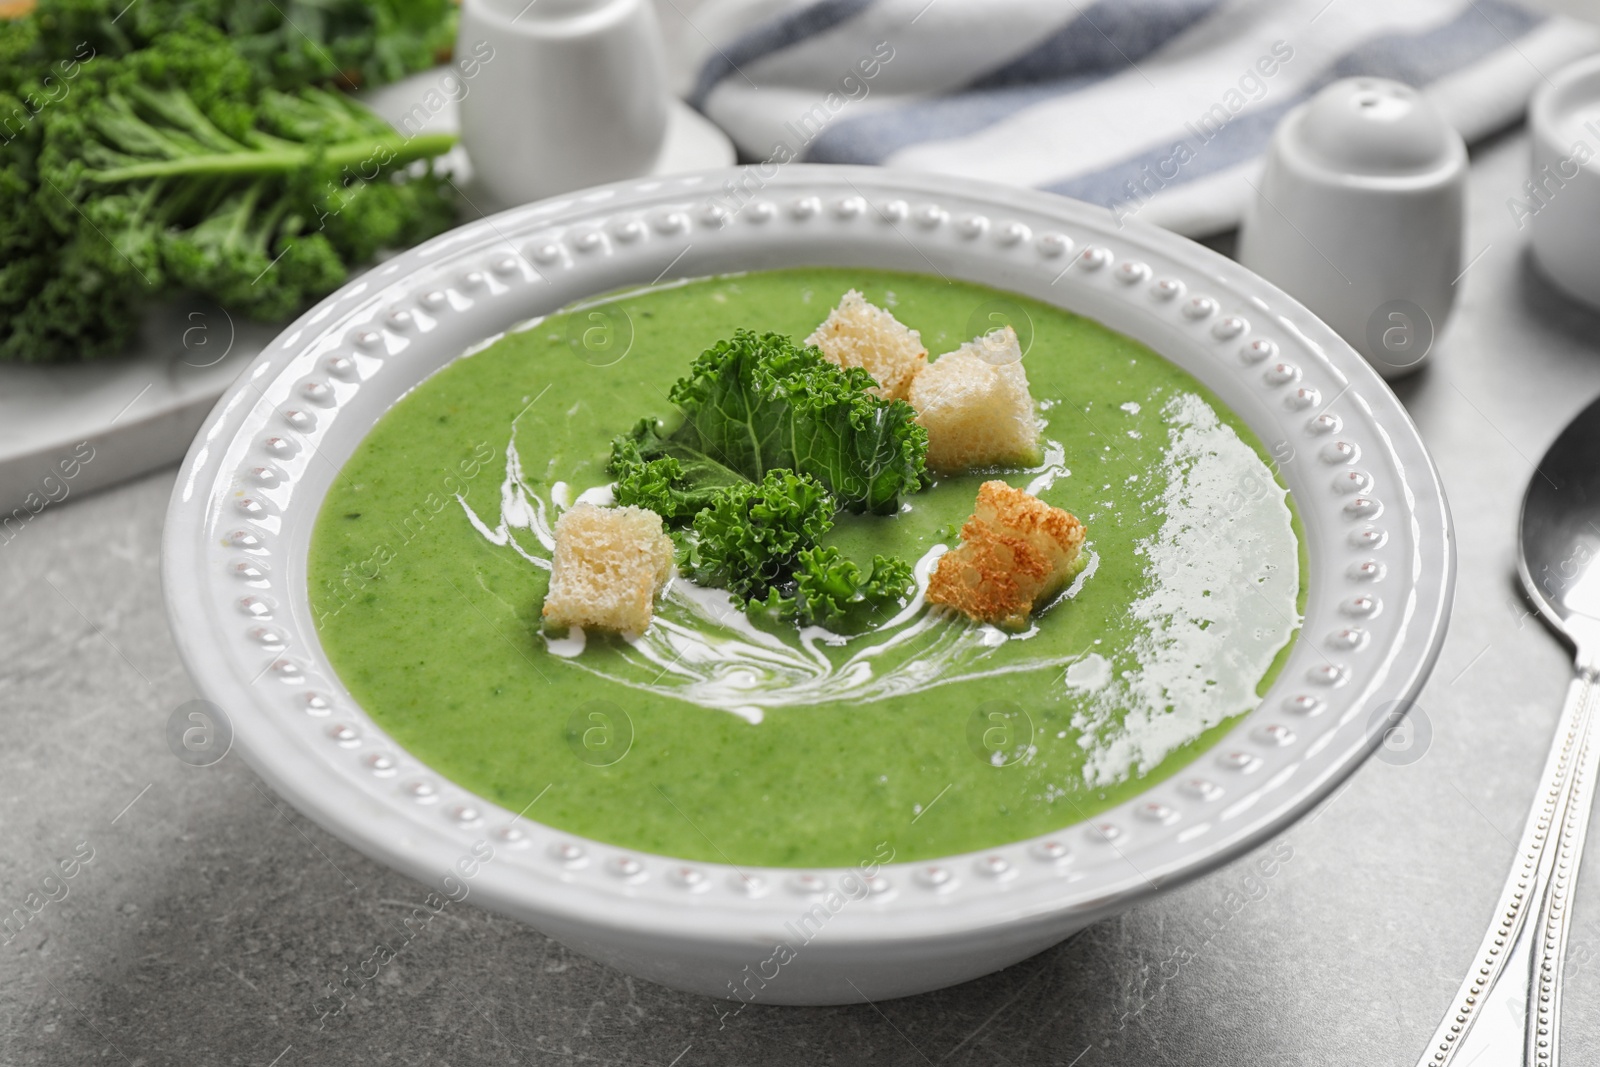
212,917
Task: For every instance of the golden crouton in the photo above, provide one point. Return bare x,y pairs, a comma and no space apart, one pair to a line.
974,403
859,334
1016,551
609,565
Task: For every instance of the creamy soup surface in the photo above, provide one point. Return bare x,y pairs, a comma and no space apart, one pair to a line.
711,738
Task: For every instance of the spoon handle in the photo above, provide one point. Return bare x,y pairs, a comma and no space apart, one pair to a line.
1550,930
1527,882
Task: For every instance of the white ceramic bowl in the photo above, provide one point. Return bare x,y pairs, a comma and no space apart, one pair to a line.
1377,530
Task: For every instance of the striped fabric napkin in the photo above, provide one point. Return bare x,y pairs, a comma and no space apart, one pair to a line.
1158,109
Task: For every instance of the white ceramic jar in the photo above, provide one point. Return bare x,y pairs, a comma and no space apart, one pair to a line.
1359,215
1560,204
572,93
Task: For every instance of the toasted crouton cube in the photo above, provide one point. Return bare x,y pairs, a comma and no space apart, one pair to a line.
609,565
974,403
859,334
1016,551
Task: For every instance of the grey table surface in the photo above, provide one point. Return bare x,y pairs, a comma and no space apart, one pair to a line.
212,916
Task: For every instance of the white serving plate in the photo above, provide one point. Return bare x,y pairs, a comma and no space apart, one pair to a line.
1377,530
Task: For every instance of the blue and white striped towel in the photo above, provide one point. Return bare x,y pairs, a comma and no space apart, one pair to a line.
1159,108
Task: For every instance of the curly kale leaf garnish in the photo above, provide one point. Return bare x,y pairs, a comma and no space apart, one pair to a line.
759,402
831,591
670,478
748,539
774,440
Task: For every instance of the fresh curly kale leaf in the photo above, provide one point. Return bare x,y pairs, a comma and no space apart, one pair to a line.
672,480
55,304
252,255
774,440
287,43
829,590
56,299
262,220
748,539
760,402
21,58
168,169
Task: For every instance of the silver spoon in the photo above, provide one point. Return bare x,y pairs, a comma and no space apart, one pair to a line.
1511,999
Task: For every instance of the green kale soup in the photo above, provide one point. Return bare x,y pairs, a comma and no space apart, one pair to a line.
714,738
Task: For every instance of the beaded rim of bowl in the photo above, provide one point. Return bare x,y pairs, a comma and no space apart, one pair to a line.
1378,534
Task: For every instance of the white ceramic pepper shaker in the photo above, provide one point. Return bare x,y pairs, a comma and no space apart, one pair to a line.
573,93
1359,215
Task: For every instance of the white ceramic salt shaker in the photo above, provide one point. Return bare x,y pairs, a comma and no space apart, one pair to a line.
567,93
1560,203
1359,215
